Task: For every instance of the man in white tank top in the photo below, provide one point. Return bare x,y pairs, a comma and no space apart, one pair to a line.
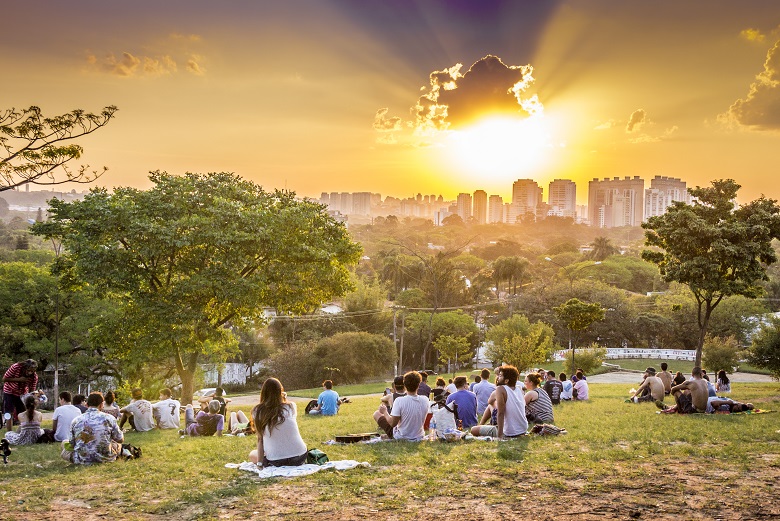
510,405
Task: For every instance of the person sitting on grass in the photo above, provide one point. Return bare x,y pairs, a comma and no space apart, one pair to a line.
408,415
328,401
167,411
109,404
651,389
580,389
723,384
138,412
666,377
78,402
95,436
553,387
483,390
510,406
424,389
29,424
279,442
440,389
567,387
538,406
466,401
205,423
398,391
691,395
63,416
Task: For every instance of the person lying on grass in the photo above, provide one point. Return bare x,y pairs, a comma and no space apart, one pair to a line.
279,442
205,423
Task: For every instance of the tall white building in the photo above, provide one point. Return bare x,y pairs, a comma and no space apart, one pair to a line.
526,197
616,202
562,198
361,203
495,209
662,193
464,206
480,206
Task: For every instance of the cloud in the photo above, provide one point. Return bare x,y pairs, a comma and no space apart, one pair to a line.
384,124
760,110
637,120
163,57
194,66
752,35
605,125
186,37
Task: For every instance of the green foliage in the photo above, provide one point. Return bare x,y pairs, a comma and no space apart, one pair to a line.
195,254
517,342
713,248
412,298
720,353
33,148
602,248
578,315
453,348
357,356
296,366
587,359
765,351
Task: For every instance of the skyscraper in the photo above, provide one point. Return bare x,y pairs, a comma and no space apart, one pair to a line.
526,196
464,206
495,209
562,198
662,192
616,202
480,206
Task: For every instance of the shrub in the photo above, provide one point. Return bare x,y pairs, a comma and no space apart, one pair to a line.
720,353
586,359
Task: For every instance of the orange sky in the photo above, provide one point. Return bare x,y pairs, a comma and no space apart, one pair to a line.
345,95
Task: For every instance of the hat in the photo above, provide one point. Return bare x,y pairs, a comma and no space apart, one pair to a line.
650,371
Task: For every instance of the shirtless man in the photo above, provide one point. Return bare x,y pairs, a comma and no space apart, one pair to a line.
653,384
666,377
691,395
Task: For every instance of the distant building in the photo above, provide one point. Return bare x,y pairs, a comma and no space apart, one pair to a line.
562,198
495,209
361,203
662,193
480,206
526,197
616,202
464,206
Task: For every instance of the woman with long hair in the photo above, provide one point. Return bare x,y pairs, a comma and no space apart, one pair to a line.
109,404
279,442
29,424
723,385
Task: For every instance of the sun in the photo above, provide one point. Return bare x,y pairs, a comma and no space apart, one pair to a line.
498,147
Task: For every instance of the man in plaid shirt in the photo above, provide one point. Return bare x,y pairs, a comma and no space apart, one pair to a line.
19,380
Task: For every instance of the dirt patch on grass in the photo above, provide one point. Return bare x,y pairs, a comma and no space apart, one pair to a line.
656,490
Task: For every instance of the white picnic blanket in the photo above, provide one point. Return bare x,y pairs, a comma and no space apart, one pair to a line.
300,470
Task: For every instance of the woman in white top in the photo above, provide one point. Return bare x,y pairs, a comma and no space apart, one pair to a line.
279,442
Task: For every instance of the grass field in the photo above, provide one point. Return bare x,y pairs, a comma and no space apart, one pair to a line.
619,460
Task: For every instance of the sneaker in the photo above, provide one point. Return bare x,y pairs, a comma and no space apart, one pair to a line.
660,405
181,432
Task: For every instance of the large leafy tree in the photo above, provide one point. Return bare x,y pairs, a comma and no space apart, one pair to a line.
196,254
38,149
577,316
714,248
765,351
518,342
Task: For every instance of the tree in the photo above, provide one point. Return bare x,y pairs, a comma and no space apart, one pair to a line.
765,351
517,342
36,148
196,254
602,248
713,248
578,316
357,356
453,348
720,353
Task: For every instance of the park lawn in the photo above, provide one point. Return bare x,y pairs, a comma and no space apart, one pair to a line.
618,460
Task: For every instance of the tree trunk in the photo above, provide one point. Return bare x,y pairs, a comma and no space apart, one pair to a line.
703,325
187,376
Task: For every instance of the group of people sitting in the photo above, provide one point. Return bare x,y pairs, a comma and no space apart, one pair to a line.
503,409
695,395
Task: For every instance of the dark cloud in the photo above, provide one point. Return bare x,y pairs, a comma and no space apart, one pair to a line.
488,87
760,110
636,121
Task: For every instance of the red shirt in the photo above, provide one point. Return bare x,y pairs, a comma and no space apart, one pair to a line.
19,388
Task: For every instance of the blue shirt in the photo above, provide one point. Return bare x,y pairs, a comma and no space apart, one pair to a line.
467,407
328,401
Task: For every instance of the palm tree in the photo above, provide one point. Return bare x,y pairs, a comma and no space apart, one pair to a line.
601,249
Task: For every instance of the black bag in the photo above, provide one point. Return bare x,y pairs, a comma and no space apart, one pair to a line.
574,394
316,457
311,405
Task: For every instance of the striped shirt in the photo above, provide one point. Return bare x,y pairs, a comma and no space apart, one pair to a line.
541,409
19,388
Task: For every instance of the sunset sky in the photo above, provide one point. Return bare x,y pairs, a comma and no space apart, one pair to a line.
402,96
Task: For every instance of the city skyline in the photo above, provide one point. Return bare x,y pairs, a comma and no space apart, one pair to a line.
431,97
